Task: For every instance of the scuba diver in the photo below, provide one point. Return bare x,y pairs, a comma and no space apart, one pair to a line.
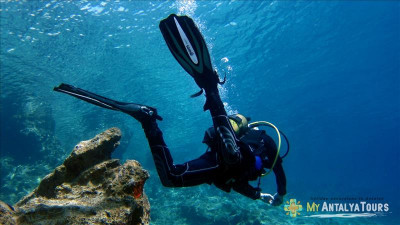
237,153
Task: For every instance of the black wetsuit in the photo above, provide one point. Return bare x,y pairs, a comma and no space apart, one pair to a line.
211,167
230,164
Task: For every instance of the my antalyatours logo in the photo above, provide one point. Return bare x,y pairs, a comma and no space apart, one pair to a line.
293,208
339,208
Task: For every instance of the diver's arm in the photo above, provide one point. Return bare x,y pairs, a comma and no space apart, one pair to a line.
278,168
247,190
277,198
280,178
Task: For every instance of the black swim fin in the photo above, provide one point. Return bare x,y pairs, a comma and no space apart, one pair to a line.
141,113
187,45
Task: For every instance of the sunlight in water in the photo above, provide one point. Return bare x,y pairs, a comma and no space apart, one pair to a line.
186,7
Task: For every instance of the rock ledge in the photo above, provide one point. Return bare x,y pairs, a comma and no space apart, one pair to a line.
88,188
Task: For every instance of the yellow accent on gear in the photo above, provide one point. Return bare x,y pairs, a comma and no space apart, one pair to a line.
239,128
268,124
234,126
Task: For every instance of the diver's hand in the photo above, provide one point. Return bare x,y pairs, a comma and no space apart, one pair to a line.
267,198
277,199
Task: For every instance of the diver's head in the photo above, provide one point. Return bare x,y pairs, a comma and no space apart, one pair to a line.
239,124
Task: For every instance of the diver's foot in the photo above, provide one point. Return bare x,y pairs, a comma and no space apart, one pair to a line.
214,102
142,113
209,81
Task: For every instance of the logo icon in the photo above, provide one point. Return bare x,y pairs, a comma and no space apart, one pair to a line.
293,208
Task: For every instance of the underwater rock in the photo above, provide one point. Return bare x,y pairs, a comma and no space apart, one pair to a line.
7,214
89,188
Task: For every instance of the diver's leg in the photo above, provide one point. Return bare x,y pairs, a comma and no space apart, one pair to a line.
191,173
230,152
187,45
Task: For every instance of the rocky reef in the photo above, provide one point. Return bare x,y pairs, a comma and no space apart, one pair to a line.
88,188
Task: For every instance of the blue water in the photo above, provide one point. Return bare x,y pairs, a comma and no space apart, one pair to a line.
325,72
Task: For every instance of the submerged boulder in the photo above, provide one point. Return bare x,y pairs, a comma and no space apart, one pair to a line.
7,214
88,188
